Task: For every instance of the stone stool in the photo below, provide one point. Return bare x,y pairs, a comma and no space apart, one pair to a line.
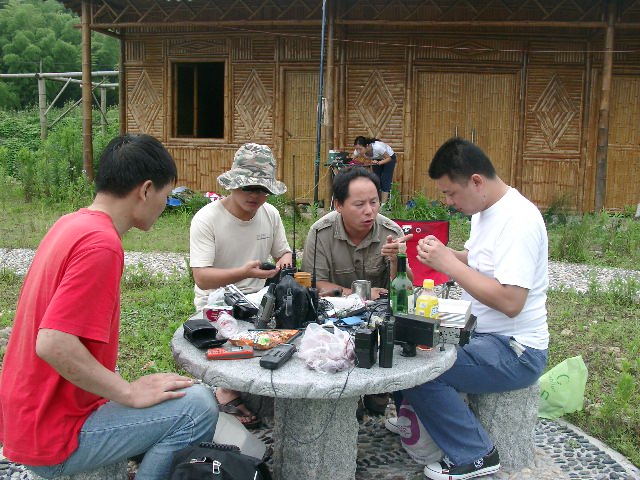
115,471
510,419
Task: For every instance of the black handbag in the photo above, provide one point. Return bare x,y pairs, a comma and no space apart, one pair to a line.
296,306
212,461
201,333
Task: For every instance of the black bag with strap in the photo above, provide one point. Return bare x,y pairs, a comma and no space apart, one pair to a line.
213,461
296,305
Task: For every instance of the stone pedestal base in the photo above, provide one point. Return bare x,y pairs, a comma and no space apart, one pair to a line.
510,419
115,471
323,443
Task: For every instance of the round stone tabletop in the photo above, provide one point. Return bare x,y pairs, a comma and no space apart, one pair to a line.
295,380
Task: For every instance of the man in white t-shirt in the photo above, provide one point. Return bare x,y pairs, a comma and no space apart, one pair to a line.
503,270
231,237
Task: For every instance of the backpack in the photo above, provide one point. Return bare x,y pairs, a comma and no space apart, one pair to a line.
213,461
296,306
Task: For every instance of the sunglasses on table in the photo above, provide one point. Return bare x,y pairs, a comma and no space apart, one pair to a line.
255,189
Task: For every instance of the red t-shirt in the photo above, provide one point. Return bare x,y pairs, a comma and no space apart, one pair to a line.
73,286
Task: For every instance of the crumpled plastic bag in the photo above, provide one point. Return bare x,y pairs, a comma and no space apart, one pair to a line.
226,325
216,297
326,352
562,388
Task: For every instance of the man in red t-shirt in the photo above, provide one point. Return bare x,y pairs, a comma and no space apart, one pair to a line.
63,408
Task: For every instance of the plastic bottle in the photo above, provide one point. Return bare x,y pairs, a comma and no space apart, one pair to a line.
427,301
401,286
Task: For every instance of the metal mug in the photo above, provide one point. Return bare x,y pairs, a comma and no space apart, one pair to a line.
362,288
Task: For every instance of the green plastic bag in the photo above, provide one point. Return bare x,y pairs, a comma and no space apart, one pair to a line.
562,388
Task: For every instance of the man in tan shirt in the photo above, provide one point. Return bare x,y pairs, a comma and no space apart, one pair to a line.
355,242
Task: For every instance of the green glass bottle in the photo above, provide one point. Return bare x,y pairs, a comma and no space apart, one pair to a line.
401,286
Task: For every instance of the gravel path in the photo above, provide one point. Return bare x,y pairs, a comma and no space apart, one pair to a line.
562,450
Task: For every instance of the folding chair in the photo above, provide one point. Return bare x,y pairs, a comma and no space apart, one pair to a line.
420,229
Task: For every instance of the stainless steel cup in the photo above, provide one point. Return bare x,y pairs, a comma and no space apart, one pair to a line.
362,288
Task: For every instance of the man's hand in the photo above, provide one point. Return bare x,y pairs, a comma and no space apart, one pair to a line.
253,270
156,388
433,253
375,292
285,260
391,248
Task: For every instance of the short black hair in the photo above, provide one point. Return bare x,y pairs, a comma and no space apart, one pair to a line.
344,178
131,159
364,141
459,159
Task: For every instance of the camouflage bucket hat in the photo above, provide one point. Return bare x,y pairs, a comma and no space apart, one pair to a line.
253,164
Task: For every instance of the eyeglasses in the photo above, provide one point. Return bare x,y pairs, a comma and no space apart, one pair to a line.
255,189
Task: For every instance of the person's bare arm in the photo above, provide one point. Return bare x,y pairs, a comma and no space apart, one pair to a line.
508,299
70,358
390,250
385,160
208,278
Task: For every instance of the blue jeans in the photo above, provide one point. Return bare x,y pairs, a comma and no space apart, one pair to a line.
114,433
385,173
487,364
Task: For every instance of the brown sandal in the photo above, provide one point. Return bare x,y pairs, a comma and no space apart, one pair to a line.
231,407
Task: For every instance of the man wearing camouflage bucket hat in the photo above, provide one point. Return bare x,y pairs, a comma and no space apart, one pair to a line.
232,236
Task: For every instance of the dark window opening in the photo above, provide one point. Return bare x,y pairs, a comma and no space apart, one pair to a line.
199,100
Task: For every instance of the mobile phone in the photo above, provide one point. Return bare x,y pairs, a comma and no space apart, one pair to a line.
277,356
267,266
230,352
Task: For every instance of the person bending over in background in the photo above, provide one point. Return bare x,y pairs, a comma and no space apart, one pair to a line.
383,158
503,270
63,408
355,242
231,237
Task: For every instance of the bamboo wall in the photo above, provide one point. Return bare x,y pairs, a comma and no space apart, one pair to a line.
529,99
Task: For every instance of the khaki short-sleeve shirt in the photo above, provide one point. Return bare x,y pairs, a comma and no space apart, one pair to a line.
338,260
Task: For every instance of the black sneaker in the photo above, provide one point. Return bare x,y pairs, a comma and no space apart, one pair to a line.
445,470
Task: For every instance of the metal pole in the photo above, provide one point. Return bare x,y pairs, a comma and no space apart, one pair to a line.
87,128
103,109
319,133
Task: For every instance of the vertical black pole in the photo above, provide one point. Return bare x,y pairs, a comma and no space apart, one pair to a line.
319,133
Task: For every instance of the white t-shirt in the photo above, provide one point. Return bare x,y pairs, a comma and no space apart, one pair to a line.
379,149
221,240
509,242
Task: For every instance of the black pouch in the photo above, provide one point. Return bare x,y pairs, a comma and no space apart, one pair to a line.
201,333
295,305
212,461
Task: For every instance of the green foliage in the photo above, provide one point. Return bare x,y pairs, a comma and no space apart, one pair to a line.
18,130
601,239
35,35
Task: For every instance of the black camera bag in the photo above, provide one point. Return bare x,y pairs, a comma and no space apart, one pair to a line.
295,304
212,461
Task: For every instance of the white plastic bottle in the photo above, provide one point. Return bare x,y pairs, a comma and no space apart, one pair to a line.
427,301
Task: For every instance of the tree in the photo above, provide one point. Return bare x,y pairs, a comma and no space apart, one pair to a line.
38,34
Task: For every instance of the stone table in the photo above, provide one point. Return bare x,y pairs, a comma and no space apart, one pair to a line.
315,426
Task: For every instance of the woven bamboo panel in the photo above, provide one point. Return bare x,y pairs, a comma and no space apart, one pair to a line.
375,104
554,111
483,107
300,48
193,45
253,103
468,49
145,105
559,52
198,168
300,133
623,165
544,181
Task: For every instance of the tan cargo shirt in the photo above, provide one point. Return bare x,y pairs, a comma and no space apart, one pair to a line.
338,260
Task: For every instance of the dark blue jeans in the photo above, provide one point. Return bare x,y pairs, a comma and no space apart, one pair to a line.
385,173
486,365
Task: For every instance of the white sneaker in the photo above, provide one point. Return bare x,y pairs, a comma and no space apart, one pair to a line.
391,424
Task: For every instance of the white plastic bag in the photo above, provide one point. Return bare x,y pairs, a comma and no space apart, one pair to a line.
326,352
216,297
414,437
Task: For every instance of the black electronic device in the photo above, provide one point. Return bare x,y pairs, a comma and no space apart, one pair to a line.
412,330
387,342
267,266
277,356
267,307
242,307
366,347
